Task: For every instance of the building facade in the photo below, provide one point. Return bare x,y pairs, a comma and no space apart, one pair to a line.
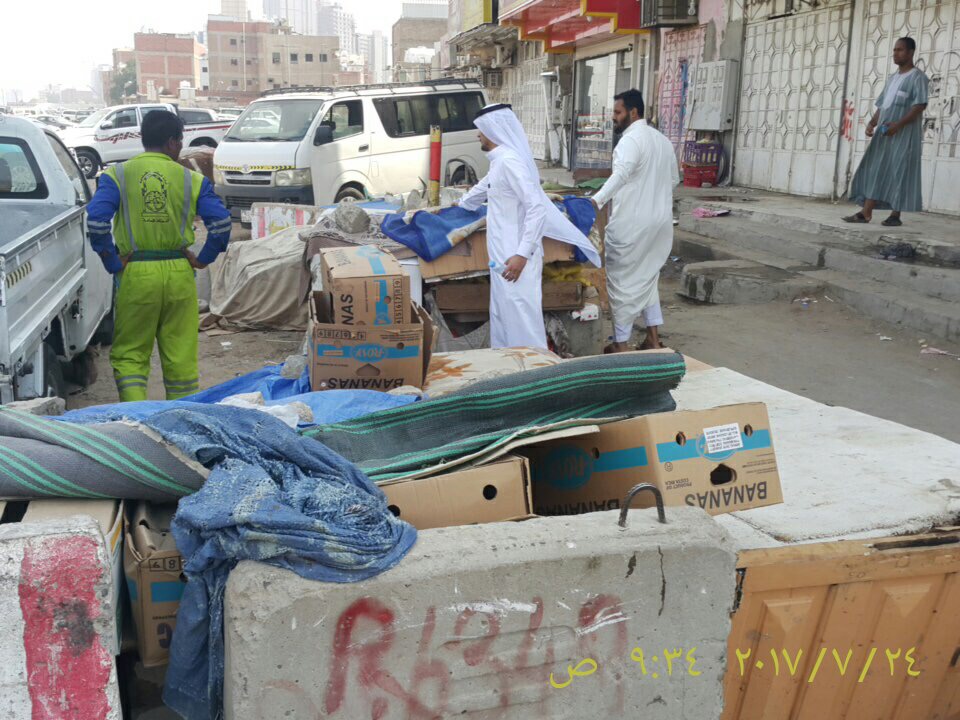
165,61
247,59
235,9
300,15
333,19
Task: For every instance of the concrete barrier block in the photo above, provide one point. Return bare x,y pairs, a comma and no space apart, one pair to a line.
548,618
56,622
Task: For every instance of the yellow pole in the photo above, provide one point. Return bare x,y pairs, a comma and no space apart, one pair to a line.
436,145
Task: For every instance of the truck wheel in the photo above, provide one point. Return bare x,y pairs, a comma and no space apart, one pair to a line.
349,191
89,163
54,383
83,369
203,142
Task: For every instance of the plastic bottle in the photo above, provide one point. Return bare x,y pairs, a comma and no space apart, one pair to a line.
498,268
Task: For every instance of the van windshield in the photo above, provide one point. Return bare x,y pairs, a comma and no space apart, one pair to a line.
274,121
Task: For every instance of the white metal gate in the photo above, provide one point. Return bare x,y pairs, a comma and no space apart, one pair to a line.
935,25
791,94
523,88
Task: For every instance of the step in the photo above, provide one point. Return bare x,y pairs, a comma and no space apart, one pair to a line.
865,238
874,298
827,252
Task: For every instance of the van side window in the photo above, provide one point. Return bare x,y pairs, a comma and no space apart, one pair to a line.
345,119
412,116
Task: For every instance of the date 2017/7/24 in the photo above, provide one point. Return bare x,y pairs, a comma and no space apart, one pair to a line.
791,663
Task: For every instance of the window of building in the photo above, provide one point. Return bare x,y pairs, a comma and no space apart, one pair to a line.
206,87
293,58
234,61
276,58
233,41
276,86
234,83
249,62
250,81
308,57
323,57
345,119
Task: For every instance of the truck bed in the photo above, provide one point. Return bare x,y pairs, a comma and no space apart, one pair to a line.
23,217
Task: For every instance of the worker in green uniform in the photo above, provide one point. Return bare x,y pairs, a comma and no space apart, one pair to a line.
148,204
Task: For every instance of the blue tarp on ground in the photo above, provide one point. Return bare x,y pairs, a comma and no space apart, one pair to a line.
428,233
273,496
327,406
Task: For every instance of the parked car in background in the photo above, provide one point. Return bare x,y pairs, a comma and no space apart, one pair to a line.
113,134
59,122
319,147
56,295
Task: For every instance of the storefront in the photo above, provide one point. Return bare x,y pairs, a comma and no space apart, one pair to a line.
610,53
600,73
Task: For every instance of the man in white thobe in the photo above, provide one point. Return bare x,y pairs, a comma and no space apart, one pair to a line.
519,215
639,236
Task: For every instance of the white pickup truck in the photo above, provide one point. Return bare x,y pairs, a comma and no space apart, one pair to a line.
54,292
113,134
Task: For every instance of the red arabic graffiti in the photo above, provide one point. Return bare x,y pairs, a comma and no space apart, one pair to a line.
363,681
846,128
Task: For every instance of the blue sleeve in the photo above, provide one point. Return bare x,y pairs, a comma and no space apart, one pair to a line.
100,211
217,219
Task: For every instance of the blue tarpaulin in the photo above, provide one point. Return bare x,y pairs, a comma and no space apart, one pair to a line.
327,406
274,496
429,234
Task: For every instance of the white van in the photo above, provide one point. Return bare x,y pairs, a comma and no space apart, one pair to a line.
316,147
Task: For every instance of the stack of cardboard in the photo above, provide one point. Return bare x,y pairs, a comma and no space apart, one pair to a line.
365,332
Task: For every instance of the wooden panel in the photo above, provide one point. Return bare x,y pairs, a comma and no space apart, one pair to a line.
829,631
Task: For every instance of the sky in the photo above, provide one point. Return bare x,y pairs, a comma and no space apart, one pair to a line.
50,42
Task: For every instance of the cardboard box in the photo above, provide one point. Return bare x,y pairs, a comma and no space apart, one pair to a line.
720,459
497,492
367,286
109,515
155,580
470,256
346,357
467,297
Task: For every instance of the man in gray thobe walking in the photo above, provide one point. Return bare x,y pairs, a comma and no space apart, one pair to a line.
889,174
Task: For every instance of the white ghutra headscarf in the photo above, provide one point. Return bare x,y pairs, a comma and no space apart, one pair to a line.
501,126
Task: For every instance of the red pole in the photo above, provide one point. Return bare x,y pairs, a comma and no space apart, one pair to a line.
436,145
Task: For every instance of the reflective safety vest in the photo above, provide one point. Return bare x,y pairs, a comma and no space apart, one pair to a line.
153,213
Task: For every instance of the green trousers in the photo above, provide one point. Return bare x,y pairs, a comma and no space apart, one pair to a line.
156,300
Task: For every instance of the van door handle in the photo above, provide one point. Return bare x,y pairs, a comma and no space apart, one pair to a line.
364,148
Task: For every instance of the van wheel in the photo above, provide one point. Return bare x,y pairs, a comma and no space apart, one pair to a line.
89,163
349,191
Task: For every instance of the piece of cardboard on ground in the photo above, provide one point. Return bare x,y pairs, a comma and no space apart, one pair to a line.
347,357
496,492
720,459
155,580
474,297
453,264
367,286
109,516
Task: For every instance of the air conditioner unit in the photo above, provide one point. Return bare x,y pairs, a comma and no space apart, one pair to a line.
668,13
492,79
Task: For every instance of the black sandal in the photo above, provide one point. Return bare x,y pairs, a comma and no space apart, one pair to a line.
892,221
856,218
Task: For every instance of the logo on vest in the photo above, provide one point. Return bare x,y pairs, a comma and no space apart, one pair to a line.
153,191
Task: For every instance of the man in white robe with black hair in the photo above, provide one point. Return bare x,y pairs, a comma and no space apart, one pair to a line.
519,216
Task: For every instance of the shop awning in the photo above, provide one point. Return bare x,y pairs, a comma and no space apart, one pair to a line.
562,25
482,36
